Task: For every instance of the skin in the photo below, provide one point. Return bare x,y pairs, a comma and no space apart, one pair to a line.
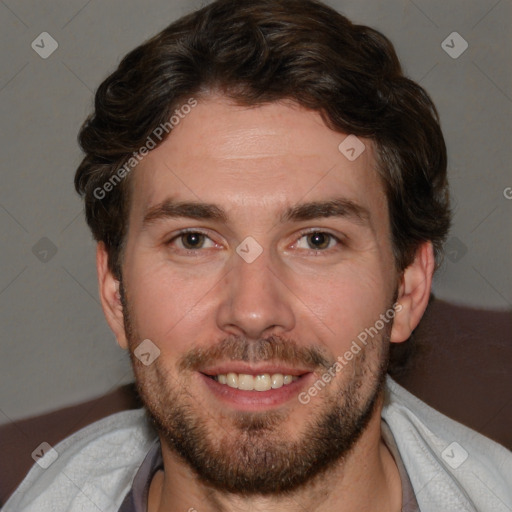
255,163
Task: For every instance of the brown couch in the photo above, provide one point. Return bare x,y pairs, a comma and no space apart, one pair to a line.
462,366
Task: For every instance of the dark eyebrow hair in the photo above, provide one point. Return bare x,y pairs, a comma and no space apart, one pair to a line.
192,210
340,207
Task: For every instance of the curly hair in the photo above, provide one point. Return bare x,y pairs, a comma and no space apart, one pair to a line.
257,52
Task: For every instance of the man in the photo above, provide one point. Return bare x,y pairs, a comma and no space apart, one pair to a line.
269,197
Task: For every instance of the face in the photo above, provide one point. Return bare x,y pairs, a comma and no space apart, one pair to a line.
256,255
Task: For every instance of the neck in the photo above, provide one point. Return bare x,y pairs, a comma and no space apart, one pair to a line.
366,479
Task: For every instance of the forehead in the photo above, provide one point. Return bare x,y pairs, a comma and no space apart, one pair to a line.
265,157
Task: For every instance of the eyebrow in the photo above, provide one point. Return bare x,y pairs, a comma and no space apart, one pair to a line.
169,209
340,207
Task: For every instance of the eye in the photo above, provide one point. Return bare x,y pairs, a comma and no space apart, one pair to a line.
192,240
317,241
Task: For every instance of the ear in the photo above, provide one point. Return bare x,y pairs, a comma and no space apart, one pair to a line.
110,296
413,293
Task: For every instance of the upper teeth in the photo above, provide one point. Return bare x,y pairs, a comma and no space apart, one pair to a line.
262,382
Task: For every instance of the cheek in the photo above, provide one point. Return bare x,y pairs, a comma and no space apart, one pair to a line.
343,304
167,305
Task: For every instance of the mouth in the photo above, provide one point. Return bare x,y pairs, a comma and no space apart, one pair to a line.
260,382
249,388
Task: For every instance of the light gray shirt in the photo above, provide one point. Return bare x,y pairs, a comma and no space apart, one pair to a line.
451,467
137,499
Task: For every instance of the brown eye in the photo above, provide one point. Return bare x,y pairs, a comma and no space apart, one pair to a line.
318,241
192,240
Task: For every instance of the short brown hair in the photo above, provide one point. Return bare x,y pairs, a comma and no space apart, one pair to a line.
262,51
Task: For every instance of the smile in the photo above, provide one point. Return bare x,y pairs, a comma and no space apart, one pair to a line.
263,382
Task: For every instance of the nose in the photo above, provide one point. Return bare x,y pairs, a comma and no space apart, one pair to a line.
255,301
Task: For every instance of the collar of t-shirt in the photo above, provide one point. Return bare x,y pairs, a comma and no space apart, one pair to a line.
137,499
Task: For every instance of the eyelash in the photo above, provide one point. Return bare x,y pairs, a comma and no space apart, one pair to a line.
186,232
339,242
302,234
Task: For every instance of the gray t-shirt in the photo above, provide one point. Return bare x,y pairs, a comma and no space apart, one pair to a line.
137,499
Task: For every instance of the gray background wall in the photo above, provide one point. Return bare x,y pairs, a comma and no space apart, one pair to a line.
56,348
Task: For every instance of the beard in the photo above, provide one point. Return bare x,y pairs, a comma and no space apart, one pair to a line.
250,453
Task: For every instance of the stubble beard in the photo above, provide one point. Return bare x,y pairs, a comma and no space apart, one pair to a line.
247,453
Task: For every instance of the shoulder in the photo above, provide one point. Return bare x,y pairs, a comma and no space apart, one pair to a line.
447,462
93,469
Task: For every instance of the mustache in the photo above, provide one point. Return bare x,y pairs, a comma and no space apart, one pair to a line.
272,348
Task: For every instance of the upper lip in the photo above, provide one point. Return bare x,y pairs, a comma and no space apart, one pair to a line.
248,369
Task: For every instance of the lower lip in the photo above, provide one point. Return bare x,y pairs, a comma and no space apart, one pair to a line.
256,400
